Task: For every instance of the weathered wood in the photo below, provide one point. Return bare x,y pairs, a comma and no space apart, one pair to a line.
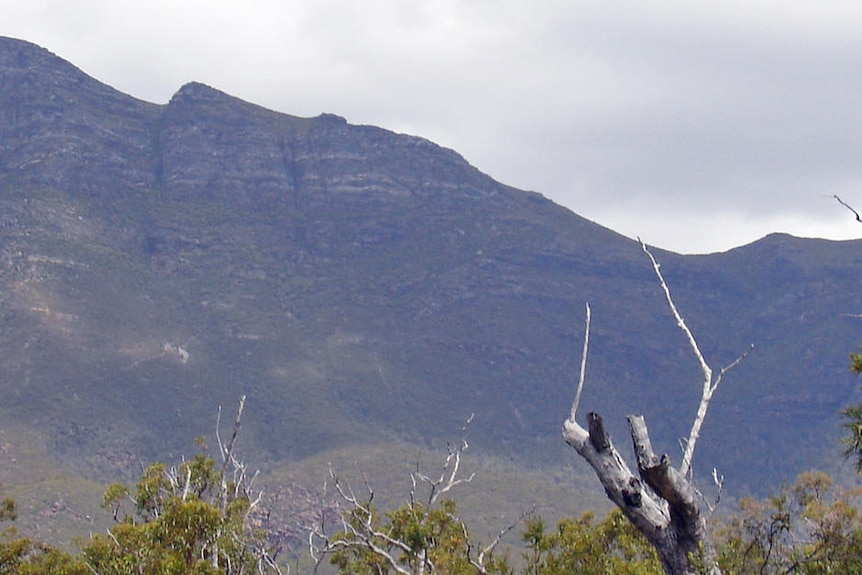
659,501
598,436
687,524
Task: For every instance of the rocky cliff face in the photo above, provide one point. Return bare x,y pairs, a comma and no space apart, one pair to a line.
362,286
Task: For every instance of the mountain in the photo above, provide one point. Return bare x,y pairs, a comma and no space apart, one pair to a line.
365,288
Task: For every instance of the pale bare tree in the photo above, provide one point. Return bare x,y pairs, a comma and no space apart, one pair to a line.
660,501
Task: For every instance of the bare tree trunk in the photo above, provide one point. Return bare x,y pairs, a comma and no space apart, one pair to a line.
658,501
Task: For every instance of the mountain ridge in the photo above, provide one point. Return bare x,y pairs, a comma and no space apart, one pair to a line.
359,285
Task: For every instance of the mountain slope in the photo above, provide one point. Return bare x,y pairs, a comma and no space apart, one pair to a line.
362,286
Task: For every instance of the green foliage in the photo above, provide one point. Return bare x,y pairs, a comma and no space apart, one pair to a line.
853,422
416,537
812,528
8,509
23,556
586,547
185,520
853,439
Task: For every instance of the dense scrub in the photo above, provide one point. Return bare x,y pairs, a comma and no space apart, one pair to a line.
177,520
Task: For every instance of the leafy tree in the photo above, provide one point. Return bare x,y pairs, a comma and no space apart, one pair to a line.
411,539
177,525
813,528
586,547
423,537
23,556
190,519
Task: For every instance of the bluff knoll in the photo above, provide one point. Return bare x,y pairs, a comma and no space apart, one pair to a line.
363,287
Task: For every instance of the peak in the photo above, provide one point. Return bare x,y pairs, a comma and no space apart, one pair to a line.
198,91
196,88
22,55
332,118
8,44
199,95
32,74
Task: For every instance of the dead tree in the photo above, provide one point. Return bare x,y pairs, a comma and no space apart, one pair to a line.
660,501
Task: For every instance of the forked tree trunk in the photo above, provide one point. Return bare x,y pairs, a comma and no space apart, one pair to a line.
658,501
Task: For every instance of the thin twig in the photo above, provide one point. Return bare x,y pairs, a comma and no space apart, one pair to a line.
846,205
228,451
583,366
489,549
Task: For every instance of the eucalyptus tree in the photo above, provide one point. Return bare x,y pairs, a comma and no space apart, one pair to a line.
192,518
423,537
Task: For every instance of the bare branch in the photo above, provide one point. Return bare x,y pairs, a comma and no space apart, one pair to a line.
363,531
706,396
188,482
449,472
227,451
709,386
707,372
846,205
734,363
241,486
218,434
486,551
718,481
582,375
314,550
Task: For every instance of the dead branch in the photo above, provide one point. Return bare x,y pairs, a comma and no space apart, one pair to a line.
357,528
583,371
226,451
846,205
241,486
709,385
488,550
449,473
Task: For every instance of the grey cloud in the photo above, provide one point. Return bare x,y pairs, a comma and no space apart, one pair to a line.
719,121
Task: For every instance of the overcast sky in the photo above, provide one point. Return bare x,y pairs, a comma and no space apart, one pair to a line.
699,126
